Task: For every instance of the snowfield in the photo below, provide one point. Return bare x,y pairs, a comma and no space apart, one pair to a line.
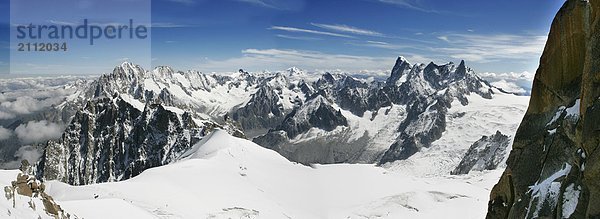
228,177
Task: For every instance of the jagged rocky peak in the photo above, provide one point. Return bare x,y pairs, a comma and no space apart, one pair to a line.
554,166
401,68
331,78
462,69
421,79
335,82
486,153
279,81
125,78
128,70
425,91
317,113
264,110
243,74
428,91
163,71
440,76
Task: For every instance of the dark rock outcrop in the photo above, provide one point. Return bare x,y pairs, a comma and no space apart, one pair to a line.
554,167
317,113
111,140
262,111
424,124
486,153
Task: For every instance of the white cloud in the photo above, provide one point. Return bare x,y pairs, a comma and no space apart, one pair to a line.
277,4
444,38
28,95
296,37
256,60
64,23
5,133
6,115
525,76
276,59
371,75
28,152
36,132
382,45
409,4
259,3
492,48
169,25
22,105
519,83
348,29
28,101
300,30
510,87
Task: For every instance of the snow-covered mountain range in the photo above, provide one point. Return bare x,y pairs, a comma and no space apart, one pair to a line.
227,177
278,140
135,119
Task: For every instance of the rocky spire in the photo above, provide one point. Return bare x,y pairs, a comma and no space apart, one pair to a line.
402,67
461,70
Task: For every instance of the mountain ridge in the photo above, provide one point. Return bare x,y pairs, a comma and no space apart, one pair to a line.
274,108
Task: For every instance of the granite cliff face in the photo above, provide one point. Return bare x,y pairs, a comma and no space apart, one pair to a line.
554,168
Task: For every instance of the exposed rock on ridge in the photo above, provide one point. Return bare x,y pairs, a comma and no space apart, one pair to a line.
28,186
485,154
554,168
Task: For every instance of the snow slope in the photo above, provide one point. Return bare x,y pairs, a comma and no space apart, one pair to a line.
227,177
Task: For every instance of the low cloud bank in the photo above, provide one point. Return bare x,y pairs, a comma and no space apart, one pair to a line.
38,131
5,133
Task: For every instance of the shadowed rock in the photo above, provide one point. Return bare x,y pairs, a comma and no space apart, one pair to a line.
485,154
554,167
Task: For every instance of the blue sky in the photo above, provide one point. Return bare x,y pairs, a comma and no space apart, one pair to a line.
351,35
